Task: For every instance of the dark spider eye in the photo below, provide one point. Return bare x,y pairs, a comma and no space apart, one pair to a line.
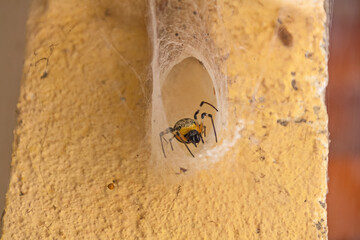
196,138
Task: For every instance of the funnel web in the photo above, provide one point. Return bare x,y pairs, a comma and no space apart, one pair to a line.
186,66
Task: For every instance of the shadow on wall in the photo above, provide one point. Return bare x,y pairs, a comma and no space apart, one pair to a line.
13,15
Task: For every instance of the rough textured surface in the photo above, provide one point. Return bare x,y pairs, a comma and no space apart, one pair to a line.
80,167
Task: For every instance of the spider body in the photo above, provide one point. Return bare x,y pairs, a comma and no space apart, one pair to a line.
188,130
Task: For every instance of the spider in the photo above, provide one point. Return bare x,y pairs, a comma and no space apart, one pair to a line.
188,130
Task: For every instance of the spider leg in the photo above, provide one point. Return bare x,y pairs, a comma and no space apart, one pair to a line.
212,121
202,117
178,134
166,131
162,146
172,149
202,103
196,113
202,140
189,150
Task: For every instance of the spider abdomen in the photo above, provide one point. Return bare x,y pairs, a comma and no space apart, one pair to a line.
184,126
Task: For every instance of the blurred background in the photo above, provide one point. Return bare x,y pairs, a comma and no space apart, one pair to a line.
13,15
343,101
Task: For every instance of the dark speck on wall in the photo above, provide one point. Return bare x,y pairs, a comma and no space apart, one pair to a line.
285,36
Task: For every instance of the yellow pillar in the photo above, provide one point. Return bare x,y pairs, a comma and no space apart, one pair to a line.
98,81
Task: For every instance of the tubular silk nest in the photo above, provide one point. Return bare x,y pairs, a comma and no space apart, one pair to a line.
178,30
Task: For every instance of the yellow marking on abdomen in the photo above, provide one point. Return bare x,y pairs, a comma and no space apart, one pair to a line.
185,130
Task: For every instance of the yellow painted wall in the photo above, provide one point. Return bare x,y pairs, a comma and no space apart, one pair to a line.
84,165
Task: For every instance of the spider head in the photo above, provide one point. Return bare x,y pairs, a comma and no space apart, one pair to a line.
193,137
